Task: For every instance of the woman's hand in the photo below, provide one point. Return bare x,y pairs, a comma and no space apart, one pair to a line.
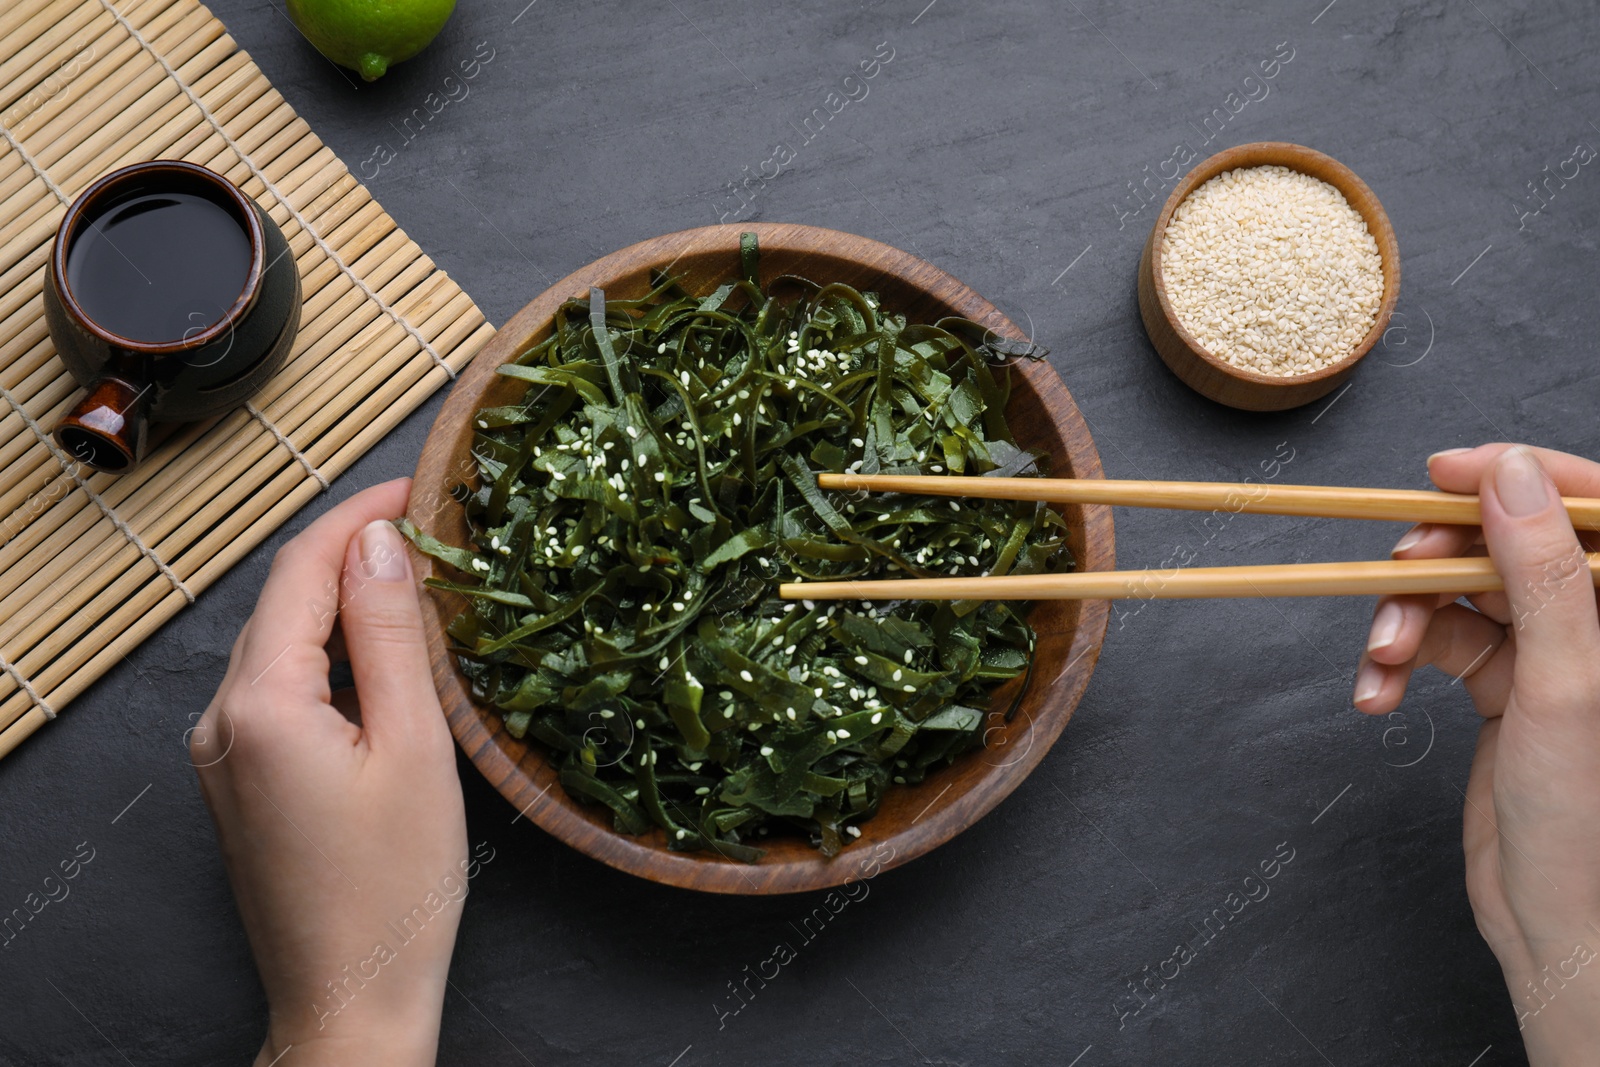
1530,658
341,824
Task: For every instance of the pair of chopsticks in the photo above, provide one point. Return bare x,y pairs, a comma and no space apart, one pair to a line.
1375,577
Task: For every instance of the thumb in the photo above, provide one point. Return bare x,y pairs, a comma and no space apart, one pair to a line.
382,623
1547,577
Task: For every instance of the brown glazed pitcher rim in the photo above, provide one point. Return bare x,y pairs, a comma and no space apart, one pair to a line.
107,185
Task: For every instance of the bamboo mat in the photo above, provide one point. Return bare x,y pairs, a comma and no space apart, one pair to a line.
91,564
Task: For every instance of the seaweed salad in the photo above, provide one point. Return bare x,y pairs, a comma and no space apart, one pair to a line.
634,512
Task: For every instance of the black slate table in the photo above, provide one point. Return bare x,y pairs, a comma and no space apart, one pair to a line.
1014,144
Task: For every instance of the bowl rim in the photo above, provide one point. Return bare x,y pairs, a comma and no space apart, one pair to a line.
1290,155
557,815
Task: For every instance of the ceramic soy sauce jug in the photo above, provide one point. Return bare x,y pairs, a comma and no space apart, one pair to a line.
170,296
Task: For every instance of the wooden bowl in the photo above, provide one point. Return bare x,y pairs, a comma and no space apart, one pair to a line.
1216,378
913,819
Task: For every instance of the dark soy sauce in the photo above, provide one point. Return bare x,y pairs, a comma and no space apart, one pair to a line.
159,267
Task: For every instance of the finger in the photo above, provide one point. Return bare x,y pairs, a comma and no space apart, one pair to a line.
1494,605
1398,624
1548,583
1379,686
1478,830
1432,540
297,607
1459,642
382,622
1462,471
1474,650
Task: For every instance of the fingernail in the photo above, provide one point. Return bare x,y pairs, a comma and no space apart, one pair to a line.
383,557
1410,540
1448,452
1519,483
1385,626
1368,683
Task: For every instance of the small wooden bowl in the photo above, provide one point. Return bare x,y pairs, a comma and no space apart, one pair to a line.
1216,378
913,819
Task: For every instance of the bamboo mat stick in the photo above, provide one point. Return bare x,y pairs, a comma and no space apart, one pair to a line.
12,272
40,34
45,68
1334,502
104,110
1475,574
15,20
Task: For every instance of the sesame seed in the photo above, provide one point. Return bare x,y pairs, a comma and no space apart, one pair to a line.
746,675
1272,270
862,660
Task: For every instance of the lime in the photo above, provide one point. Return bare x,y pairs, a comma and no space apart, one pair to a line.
370,35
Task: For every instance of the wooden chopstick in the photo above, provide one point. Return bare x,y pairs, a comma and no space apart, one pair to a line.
1323,501
1472,574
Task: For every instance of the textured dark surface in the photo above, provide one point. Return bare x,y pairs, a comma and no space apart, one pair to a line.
995,144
